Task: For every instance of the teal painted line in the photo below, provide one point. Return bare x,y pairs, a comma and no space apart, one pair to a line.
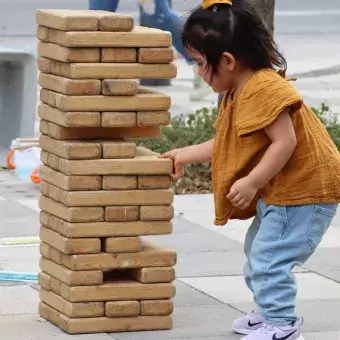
18,277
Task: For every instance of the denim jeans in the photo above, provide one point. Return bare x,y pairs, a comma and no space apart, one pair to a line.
280,238
104,5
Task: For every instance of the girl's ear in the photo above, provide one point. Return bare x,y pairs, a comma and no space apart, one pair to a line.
228,61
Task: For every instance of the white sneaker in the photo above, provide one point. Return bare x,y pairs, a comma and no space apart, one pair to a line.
248,323
268,332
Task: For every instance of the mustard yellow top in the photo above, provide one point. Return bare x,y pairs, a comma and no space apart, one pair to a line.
312,174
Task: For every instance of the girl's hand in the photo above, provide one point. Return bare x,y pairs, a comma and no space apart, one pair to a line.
176,156
242,193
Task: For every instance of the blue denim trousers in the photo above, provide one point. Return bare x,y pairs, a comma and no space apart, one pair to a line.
280,238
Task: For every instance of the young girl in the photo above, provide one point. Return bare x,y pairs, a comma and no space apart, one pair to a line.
271,158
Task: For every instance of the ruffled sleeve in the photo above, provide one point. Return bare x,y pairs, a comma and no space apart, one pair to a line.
262,99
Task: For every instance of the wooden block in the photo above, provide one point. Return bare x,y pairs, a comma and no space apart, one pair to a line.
118,119
156,55
84,20
157,307
56,286
70,245
72,310
119,182
71,149
67,20
69,277
122,244
149,118
104,198
143,101
44,280
104,229
153,275
104,324
56,256
122,71
71,183
114,309
118,290
157,213
116,22
69,54
44,65
66,133
118,149
69,119
149,256
45,250
42,33
154,182
72,87
50,253
148,164
79,214
121,214
118,55
120,87
138,37
108,70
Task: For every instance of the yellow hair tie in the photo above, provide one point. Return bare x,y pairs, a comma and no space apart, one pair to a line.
207,3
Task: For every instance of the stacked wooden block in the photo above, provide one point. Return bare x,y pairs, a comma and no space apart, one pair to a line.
99,192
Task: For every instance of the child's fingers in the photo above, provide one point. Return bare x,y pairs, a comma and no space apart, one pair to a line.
164,155
178,172
232,194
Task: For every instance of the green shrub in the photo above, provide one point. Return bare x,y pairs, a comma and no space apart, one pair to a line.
331,121
187,130
197,128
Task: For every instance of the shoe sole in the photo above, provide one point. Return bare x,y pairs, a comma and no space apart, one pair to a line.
300,338
247,331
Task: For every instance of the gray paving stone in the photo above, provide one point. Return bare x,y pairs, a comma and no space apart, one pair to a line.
319,316
210,264
18,300
198,239
17,220
336,220
20,259
32,327
193,322
325,261
213,264
188,296
322,336
16,189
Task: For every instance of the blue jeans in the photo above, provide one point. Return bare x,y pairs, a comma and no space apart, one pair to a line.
280,238
104,5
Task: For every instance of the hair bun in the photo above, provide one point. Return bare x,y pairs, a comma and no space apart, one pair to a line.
207,3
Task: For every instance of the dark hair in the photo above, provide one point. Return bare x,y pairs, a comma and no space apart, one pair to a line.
237,29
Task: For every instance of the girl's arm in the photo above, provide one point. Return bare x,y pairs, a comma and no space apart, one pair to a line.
281,133
283,138
200,153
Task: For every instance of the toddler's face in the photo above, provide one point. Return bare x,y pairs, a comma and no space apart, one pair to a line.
221,81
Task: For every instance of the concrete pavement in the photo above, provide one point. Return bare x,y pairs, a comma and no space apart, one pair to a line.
210,287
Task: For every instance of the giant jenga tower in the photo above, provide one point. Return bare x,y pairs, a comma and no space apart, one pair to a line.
99,192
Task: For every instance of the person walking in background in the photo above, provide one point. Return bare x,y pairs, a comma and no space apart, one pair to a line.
158,14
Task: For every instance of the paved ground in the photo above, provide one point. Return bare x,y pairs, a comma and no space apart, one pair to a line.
210,288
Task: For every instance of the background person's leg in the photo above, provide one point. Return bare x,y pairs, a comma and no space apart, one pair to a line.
104,5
